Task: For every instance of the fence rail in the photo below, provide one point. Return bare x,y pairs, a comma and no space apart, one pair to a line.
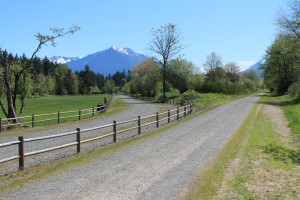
55,116
21,142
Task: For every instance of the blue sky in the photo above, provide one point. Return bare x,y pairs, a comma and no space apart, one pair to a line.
239,31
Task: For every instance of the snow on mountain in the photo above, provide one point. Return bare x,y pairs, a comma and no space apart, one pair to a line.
63,60
108,61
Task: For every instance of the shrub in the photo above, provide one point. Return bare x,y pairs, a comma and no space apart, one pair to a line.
294,89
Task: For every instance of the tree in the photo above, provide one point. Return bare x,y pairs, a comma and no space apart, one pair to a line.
282,64
289,21
166,44
213,66
87,79
181,74
145,78
232,71
14,72
109,86
252,75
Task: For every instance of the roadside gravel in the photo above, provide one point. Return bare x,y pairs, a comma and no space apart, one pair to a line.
160,168
136,108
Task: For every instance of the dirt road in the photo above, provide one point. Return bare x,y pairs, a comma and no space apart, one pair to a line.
160,168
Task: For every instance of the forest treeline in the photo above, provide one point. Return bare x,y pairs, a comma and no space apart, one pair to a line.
49,78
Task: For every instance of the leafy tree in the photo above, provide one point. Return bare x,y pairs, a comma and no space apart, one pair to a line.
181,74
289,21
252,75
109,86
213,67
87,79
14,72
71,82
145,78
282,64
232,71
166,44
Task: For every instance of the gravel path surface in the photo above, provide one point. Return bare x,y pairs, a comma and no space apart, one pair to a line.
137,108
160,168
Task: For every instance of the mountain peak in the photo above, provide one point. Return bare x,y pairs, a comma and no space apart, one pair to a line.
126,51
107,61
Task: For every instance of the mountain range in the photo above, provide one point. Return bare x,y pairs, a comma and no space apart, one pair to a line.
116,59
106,62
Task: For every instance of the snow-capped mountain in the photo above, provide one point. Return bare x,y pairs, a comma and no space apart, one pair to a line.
63,60
257,67
107,61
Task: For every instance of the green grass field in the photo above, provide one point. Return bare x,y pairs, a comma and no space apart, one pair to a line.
53,104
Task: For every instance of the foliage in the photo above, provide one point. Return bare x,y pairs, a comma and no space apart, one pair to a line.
181,74
294,90
282,64
189,95
252,75
213,67
109,86
289,21
145,78
232,71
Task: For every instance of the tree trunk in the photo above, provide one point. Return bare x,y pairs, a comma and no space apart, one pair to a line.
164,79
11,113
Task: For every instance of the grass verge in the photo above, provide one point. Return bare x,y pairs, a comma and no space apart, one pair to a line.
257,163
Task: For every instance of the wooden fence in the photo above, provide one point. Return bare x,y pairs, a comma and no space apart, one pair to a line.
167,116
55,116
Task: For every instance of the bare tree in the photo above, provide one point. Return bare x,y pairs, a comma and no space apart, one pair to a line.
289,21
14,72
166,44
212,65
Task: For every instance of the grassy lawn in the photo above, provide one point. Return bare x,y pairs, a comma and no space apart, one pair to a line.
53,104
258,162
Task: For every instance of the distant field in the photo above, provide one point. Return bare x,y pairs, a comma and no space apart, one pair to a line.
51,104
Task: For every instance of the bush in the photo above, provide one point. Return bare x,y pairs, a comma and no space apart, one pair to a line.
294,90
189,95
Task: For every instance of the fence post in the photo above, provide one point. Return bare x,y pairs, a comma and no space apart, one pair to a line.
58,117
184,111
0,124
79,114
169,116
32,121
105,101
78,139
191,108
157,119
139,125
93,111
177,113
21,153
115,130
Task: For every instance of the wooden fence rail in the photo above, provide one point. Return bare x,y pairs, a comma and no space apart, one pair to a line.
21,142
55,116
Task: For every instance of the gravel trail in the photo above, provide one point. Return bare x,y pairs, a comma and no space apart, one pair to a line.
136,108
160,168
